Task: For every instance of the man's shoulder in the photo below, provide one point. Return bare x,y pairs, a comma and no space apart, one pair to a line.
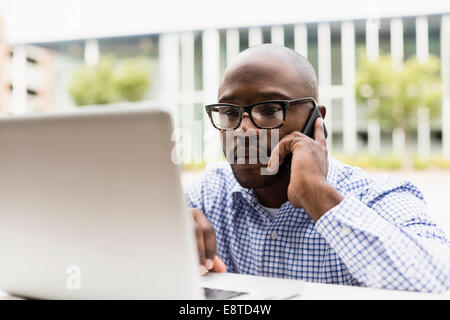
217,178
218,173
369,184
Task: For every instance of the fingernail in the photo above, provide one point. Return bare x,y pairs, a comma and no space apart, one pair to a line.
209,264
203,270
272,167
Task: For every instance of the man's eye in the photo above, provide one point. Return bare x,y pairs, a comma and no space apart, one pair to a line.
268,110
231,112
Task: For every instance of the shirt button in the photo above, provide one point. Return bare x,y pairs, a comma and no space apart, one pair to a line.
274,235
345,231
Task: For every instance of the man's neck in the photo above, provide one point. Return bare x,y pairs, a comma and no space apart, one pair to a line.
275,195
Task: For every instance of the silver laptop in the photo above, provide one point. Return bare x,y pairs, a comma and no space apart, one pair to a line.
91,207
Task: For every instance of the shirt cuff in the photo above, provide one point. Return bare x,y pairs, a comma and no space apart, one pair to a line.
351,216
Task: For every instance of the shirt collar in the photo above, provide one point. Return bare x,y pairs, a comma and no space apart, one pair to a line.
237,189
332,173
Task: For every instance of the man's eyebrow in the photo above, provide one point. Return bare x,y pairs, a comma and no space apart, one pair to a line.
272,95
227,98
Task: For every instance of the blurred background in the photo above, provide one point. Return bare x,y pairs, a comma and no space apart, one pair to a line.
383,69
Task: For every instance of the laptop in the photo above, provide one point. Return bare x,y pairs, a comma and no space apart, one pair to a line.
92,207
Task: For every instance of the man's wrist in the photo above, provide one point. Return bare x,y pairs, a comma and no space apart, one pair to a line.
320,197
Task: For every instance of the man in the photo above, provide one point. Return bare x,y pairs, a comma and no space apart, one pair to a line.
313,218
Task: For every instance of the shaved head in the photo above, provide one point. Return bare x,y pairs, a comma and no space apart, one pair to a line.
306,75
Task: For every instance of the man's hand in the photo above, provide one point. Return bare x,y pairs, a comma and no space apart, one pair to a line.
308,187
206,244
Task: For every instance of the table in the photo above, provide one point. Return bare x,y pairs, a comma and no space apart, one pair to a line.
320,291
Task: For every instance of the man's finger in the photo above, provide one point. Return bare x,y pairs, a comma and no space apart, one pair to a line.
208,237
278,154
219,265
319,132
203,270
282,149
200,244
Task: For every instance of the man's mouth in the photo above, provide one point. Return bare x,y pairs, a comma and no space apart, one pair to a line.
250,155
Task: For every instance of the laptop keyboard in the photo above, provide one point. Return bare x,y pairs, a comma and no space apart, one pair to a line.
217,294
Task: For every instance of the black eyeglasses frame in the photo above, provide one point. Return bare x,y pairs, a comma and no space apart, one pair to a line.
283,103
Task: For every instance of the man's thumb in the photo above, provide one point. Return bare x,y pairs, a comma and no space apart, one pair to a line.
219,265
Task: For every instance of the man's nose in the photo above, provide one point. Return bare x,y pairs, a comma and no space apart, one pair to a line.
246,126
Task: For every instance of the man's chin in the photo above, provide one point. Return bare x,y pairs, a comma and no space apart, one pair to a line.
252,176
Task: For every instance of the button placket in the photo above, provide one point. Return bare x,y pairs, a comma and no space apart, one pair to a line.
345,230
274,235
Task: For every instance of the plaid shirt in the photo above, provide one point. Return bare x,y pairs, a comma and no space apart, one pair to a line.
379,236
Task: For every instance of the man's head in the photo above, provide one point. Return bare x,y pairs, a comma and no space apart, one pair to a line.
261,73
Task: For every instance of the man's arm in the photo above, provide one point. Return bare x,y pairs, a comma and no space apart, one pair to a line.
205,234
389,243
206,244
392,244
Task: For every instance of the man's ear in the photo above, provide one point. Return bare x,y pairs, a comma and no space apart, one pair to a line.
322,110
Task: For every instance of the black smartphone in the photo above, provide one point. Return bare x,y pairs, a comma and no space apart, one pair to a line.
308,129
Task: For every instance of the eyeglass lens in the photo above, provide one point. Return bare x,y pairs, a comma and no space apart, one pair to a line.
265,115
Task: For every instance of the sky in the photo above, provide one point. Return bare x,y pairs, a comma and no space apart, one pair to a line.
28,21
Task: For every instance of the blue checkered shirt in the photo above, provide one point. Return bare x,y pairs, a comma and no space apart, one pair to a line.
379,236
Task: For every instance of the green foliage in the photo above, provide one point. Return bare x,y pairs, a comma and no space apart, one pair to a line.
368,161
440,162
94,84
133,78
394,96
394,162
108,81
421,163
194,166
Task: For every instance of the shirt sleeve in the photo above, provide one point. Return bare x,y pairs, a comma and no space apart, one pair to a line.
389,242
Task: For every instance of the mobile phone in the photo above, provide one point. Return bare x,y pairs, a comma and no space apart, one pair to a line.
308,129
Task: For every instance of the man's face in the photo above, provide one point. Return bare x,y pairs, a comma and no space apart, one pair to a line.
254,78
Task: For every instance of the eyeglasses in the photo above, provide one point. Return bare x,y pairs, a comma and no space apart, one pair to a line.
264,115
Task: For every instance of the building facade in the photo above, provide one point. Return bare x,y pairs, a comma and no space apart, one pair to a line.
26,78
190,65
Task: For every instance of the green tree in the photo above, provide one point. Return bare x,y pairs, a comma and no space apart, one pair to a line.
133,78
95,84
394,96
109,81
